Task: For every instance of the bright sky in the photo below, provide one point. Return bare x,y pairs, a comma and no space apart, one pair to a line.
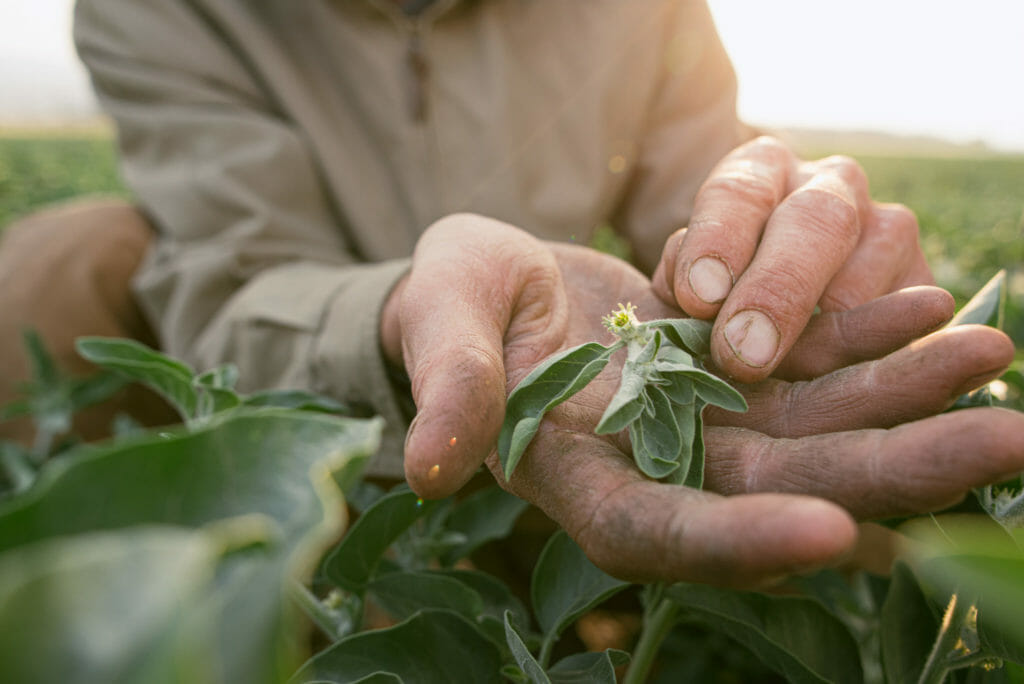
951,69
933,67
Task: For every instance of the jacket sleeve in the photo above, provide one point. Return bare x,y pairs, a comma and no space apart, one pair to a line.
691,124
250,265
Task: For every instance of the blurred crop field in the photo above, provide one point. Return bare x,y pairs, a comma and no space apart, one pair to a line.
971,208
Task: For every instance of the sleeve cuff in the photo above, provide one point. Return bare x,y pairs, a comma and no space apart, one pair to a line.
348,363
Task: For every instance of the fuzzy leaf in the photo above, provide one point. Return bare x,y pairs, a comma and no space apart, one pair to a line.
556,379
566,584
524,659
94,389
908,627
482,517
296,399
627,403
108,607
222,377
588,668
352,563
679,388
986,306
257,483
687,420
431,647
656,439
169,378
796,637
714,390
695,473
403,593
689,333
497,600
973,556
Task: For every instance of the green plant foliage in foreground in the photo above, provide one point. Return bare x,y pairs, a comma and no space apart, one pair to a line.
205,552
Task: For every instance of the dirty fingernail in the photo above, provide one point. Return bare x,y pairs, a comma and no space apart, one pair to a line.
710,279
753,338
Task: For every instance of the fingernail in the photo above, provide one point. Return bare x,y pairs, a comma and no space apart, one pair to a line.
710,279
753,337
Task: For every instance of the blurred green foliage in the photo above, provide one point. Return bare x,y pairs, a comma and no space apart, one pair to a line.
40,169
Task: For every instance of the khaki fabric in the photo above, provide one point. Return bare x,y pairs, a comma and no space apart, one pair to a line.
64,273
290,153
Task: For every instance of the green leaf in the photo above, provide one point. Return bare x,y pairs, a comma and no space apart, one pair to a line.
527,663
481,517
222,377
257,461
796,637
296,399
167,377
565,585
973,556
695,473
352,563
687,419
16,471
986,307
657,442
497,600
679,388
262,480
403,593
108,607
627,403
713,389
94,389
431,647
556,379
588,668
44,370
215,390
689,333
908,627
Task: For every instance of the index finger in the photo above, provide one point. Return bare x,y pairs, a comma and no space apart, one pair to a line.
699,266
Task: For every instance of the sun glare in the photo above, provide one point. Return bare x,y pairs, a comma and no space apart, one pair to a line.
946,69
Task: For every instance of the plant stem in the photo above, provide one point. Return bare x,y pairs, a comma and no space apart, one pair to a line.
323,617
657,624
545,652
938,664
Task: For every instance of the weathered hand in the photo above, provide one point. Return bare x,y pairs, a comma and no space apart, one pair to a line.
771,237
485,302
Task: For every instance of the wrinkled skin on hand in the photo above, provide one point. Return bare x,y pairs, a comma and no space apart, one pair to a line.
485,302
771,237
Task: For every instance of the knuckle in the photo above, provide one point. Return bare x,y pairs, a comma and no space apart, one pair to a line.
767,147
846,169
827,212
898,222
744,186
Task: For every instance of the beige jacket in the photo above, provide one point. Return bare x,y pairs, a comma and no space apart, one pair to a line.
290,153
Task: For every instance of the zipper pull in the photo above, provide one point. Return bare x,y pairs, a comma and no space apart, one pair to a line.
419,73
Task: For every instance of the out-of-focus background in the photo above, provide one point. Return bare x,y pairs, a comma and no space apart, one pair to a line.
928,96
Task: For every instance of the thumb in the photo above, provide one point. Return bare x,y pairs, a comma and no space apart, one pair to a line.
479,290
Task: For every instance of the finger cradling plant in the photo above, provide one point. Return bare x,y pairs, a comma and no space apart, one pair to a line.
661,394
